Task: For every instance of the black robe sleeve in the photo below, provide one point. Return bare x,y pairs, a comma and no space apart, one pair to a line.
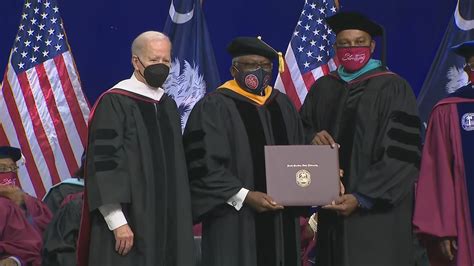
321,105
56,195
296,131
208,155
59,247
307,113
396,153
106,175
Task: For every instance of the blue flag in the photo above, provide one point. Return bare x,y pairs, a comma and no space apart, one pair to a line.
446,74
194,69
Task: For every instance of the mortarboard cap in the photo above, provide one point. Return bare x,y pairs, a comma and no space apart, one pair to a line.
465,49
241,46
354,21
10,152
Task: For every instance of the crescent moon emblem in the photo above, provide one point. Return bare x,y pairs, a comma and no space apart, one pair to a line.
462,23
180,18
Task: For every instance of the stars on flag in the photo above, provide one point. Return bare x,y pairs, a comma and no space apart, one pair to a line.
313,50
40,35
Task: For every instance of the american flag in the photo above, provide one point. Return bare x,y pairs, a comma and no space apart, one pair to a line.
43,110
310,53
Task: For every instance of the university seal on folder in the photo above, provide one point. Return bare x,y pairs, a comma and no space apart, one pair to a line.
302,175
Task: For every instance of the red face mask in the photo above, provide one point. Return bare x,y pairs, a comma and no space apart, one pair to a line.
470,74
8,178
353,58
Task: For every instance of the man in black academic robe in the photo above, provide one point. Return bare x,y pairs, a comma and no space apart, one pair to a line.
57,193
60,237
371,113
137,204
224,143
65,201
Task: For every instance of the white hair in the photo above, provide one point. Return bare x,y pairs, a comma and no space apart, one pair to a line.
138,45
235,59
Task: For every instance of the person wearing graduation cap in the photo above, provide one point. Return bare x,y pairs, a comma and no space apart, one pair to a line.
23,218
371,114
444,205
224,141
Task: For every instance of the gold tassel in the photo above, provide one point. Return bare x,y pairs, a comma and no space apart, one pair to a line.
281,63
281,60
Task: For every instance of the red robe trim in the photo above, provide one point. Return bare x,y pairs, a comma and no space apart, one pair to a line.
442,205
83,239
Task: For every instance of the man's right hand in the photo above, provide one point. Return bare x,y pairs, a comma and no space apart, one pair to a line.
261,202
123,239
324,138
448,248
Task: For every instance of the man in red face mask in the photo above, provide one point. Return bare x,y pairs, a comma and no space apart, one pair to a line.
444,206
22,217
372,114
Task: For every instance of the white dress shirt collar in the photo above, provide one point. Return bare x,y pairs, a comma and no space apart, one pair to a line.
138,87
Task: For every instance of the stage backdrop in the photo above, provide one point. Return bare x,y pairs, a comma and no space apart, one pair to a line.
100,32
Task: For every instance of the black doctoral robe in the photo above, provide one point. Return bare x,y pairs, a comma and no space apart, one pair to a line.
60,237
375,120
56,195
224,143
135,157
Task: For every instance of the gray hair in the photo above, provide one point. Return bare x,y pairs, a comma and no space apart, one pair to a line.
235,59
138,45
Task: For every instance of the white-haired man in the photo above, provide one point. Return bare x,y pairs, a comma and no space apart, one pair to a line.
137,195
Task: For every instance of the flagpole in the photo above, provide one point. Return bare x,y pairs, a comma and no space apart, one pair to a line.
335,2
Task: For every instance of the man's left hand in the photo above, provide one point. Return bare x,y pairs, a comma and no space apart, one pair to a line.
345,205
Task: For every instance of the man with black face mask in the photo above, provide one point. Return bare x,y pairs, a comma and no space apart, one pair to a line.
224,143
372,114
137,203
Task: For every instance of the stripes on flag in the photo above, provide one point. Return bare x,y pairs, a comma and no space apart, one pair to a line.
310,54
43,110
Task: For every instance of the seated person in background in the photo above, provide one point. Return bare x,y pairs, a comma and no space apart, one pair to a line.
56,194
60,237
35,210
20,232
308,227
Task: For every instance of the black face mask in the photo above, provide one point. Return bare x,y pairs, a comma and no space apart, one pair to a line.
253,81
156,74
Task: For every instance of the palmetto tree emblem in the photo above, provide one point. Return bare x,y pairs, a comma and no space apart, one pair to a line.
186,86
457,78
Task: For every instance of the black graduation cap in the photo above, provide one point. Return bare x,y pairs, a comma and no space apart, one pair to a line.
356,21
254,46
10,152
465,49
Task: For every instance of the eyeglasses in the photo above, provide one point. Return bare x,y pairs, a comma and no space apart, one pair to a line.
7,169
254,66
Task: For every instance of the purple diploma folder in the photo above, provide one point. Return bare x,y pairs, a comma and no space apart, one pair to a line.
302,175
